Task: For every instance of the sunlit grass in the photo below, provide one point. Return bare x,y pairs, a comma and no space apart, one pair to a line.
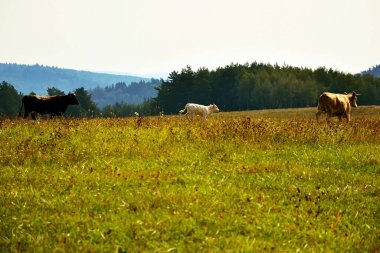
245,181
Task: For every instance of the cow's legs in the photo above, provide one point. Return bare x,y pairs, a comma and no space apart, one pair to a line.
33,115
26,114
347,116
328,117
318,114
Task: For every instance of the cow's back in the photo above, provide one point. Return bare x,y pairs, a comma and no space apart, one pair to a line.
46,104
333,104
330,103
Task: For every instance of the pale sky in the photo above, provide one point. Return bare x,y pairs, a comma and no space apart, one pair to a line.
159,36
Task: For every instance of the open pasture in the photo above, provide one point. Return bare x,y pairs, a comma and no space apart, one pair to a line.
271,180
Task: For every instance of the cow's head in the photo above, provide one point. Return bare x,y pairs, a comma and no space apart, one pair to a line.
72,99
353,97
214,108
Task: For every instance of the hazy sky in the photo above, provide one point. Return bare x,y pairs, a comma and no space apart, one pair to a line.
159,36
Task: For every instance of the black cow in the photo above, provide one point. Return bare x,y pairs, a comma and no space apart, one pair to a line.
53,105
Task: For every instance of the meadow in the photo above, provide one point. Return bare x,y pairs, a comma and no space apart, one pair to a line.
270,180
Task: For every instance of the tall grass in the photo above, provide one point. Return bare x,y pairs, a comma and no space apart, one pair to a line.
273,180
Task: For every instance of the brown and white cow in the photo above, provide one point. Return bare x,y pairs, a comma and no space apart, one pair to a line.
192,109
53,105
338,105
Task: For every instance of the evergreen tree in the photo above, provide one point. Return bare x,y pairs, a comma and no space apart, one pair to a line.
224,82
86,107
54,91
245,86
10,100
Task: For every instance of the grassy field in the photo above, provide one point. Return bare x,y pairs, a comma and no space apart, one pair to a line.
272,180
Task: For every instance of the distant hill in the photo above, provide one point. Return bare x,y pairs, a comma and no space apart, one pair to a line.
37,78
375,71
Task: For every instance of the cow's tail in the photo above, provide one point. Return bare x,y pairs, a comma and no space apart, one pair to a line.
184,110
22,104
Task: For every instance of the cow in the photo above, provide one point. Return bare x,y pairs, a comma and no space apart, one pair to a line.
338,105
53,105
196,109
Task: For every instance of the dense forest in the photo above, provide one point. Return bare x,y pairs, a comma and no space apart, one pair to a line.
260,86
233,87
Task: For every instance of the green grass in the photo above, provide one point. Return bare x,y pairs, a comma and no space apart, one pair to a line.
271,180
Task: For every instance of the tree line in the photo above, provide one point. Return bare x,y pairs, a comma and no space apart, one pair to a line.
260,86
233,87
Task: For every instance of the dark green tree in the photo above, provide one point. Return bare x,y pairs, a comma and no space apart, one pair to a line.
10,100
224,82
52,91
86,107
202,87
245,86
178,90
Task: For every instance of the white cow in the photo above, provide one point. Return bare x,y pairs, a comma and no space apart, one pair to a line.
202,110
